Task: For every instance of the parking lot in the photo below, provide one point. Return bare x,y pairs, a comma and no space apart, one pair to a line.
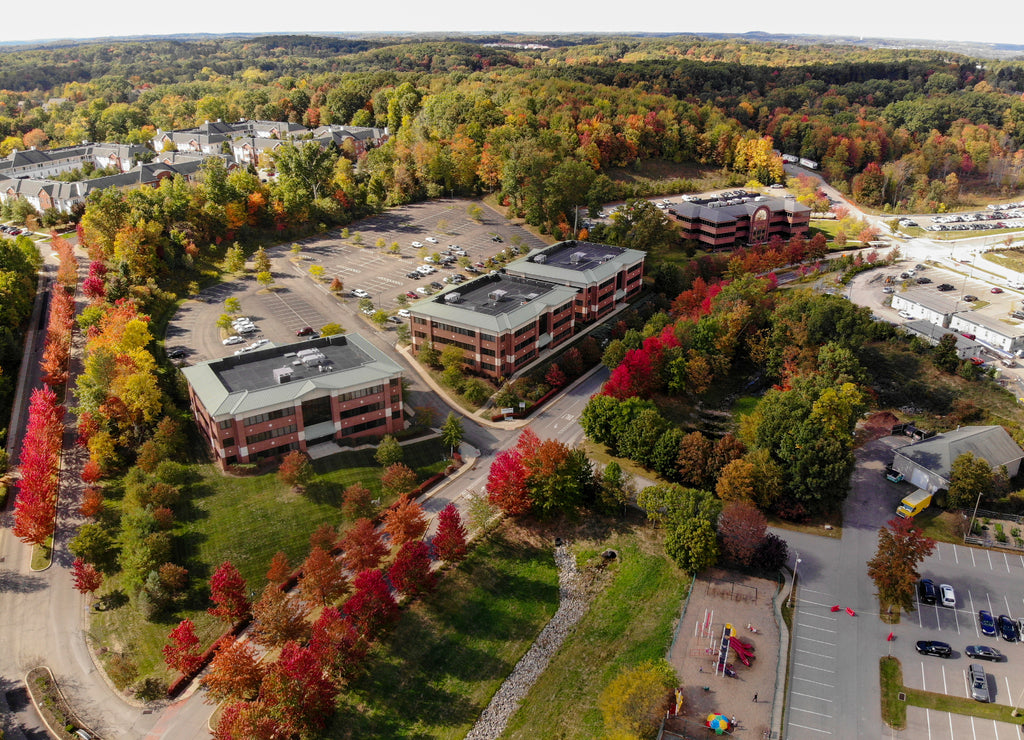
814,666
297,301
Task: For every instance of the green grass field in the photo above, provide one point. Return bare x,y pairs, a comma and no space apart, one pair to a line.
450,651
245,520
629,622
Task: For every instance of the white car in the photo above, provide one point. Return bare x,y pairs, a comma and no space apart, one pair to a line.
432,240
417,244
232,340
360,293
425,269
404,313
906,315
257,344
947,596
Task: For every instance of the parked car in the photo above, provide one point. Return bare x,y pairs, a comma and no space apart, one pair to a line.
232,340
496,238
979,682
360,293
413,275
996,290
906,315
967,335
432,240
304,331
404,312
926,591
984,652
934,647
987,623
944,287
888,289
970,298
395,320
947,596
177,353
436,285
417,244
923,280
424,291
1008,629
368,311
410,294
894,475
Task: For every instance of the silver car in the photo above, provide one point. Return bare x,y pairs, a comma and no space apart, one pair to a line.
979,682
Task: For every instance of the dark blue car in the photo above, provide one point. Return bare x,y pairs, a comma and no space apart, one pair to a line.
1007,628
987,623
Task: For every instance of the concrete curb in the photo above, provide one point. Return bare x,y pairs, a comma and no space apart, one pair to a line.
783,662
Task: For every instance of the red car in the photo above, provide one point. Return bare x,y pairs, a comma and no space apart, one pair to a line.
410,294
967,335
977,361
997,290
304,331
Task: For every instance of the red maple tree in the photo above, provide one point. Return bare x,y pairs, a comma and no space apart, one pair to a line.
279,569
506,483
323,537
35,506
371,607
86,578
357,501
450,540
397,479
337,645
410,573
278,618
299,691
228,592
235,672
92,502
363,546
181,653
405,521
322,577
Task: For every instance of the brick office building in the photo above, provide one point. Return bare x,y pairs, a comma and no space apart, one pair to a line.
603,275
500,321
263,404
746,219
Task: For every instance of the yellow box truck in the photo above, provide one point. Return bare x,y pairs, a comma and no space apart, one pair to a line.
914,504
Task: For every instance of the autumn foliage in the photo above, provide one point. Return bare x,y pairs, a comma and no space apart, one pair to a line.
371,607
235,672
410,573
35,507
450,540
363,547
85,576
181,653
228,592
405,521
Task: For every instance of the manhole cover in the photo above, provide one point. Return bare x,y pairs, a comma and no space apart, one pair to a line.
901,696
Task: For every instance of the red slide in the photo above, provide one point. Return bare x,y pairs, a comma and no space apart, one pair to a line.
742,650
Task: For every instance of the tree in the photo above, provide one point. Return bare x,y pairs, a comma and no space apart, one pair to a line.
362,546
331,329
968,477
86,578
398,479
742,528
450,540
636,699
405,521
278,618
737,482
228,592
772,553
689,516
452,431
93,545
389,451
554,376
901,548
322,577
235,672
410,573
371,607
323,537
694,459
261,260
279,569
181,653
295,470
337,645
298,691
506,483
265,278
357,501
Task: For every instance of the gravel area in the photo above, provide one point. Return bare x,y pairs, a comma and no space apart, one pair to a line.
574,598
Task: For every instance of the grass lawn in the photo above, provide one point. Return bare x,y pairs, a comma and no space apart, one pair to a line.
629,622
938,525
451,651
245,520
894,711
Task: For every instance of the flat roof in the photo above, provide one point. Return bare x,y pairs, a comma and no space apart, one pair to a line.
934,331
495,302
992,323
932,299
731,209
577,263
249,382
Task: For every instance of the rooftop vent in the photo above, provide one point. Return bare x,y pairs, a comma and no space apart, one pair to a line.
282,375
531,296
608,257
576,257
497,295
540,259
453,298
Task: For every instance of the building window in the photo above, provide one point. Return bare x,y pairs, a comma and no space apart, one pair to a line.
368,408
316,411
269,416
270,434
362,392
356,428
226,424
229,442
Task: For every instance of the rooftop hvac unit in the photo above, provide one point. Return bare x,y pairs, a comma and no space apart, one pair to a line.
282,375
453,298
608,257
531,296
540,259
497,295
576,257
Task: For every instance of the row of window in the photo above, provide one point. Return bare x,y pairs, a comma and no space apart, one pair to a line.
525,343
360,393
361,410
270,434
355,429
455,329
269,416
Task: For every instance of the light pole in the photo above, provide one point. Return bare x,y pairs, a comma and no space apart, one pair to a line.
970,527
793,588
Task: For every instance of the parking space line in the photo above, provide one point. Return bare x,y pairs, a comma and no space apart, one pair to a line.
812,627
972,557
812,729
811,639
945,690
814,668
973,611
1009,694
1006,560
967,685
973,731
816,683
928,720
810,696
819,655
995,728
1008,610
808,711
989,554
924,683
955,556
951,733
957,618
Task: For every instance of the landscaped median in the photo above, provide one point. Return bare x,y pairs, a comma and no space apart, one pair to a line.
894,710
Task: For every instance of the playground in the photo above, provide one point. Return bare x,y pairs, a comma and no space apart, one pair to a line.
726,653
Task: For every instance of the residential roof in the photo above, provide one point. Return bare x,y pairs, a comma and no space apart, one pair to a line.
247,383
576,263
935,332
992,323
993,443
495,303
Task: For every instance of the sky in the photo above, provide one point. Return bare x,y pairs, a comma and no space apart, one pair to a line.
994,23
